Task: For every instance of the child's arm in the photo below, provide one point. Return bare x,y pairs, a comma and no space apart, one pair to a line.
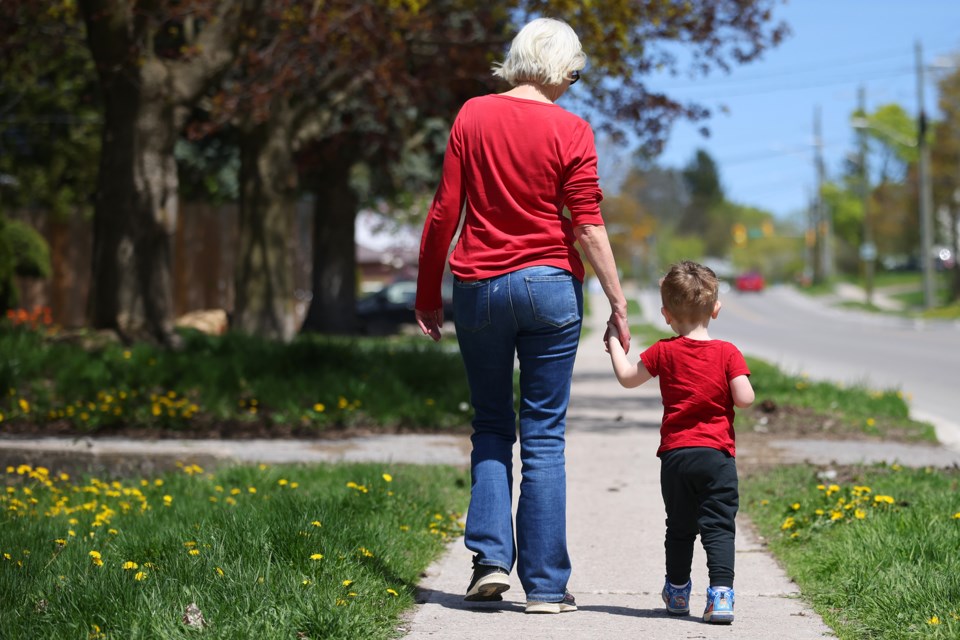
742,391
629,375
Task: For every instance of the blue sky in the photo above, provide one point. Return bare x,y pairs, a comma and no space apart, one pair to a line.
764,145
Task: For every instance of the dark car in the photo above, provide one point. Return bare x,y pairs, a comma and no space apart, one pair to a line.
749,281
390,309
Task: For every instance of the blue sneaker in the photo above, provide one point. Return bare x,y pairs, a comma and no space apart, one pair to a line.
677,600
719,605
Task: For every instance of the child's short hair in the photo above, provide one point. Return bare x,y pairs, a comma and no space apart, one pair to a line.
689,291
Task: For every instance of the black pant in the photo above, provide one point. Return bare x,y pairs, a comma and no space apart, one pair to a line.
699,487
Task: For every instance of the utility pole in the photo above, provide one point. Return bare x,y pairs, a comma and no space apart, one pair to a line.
825,226
868,251
926,197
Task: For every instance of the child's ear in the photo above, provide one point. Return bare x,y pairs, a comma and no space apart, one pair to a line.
666,315
716,309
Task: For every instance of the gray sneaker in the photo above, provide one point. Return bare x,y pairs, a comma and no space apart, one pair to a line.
567,604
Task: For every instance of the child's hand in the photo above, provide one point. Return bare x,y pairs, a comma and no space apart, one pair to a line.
612,335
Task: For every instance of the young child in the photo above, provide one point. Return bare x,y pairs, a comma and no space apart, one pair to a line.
701,380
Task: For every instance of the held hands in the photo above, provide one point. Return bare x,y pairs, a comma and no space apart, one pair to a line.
430,322
619,330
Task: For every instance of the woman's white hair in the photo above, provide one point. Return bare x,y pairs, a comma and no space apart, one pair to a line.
546,51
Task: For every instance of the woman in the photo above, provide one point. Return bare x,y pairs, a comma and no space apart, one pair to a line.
513,162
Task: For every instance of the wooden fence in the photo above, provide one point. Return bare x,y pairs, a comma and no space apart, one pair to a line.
204,254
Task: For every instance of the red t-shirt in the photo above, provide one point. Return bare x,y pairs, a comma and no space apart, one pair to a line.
695,380
514,164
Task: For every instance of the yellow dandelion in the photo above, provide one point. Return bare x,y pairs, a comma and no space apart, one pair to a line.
392,592
219,571
305,582
129,565
789,523
251,489
140,575
316,523
194,552
387,477
795,506
347,583
319,407
871,422
24,405
933,620
859,514
956,516
317,556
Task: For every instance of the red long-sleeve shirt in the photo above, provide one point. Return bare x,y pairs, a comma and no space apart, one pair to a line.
514,164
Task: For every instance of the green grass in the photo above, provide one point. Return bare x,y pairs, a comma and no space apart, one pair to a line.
125,558
313,383
874,551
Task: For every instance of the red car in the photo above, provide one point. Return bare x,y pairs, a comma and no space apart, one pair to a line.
750,281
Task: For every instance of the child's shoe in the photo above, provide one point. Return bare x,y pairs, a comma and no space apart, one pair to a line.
719,605
676,599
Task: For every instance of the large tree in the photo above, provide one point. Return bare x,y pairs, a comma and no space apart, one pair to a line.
390,67
155,60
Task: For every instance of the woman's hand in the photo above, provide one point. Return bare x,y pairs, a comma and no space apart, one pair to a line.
430,322
619,329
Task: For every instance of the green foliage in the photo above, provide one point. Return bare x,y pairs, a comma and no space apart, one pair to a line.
23,252
873,550
50,132
311,551
208,169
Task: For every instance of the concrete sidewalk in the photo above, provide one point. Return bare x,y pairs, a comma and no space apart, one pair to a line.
615,533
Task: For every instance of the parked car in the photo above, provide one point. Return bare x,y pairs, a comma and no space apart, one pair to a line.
749,281
391,308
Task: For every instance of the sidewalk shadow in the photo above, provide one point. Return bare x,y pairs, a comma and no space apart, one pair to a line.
456,601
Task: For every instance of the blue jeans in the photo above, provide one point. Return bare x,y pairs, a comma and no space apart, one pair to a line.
533,315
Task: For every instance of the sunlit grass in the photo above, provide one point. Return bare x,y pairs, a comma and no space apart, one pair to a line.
321,551
874,549
312,384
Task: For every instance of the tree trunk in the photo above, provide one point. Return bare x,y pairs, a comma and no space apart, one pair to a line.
333,306
264,279
147,100
114,200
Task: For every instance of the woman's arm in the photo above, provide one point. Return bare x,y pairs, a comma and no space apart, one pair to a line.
596,247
